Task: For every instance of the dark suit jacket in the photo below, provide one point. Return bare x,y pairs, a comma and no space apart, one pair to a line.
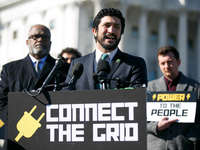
178,135
23,70
123,66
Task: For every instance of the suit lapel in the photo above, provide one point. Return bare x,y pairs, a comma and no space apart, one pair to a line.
90,68
161,82
117,60
182,86
28,66
27,72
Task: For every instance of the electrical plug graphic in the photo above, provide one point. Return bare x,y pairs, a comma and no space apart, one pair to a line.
27,125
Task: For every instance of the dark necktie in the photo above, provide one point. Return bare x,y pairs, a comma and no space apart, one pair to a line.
37,68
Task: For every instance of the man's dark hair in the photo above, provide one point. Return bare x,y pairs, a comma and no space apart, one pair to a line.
109,12
166,49
70,51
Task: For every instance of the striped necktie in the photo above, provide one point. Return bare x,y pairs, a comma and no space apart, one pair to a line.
104,56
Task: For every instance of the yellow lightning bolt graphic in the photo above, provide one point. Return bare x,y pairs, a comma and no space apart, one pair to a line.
154,96
188,96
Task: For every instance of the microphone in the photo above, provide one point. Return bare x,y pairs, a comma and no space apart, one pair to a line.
95,77
103,69
103,65
77,71
58,63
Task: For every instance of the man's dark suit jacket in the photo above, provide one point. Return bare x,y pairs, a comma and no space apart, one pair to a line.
23,70
123,66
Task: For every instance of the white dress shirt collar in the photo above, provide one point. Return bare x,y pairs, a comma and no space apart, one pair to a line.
111,55
98,54
34,61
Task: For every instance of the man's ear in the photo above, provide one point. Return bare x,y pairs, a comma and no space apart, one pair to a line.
27,42
179,62
94,32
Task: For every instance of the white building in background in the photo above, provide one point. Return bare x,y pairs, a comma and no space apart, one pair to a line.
150,24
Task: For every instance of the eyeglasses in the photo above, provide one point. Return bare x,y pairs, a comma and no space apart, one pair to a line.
69,58
37,36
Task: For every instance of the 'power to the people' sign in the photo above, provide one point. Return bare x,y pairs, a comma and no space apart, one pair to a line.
174,105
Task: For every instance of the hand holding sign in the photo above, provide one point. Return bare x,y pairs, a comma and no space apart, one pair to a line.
165,123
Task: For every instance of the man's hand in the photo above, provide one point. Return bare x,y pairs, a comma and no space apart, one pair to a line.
165,123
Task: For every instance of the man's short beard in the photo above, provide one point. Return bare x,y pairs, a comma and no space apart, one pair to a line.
40,52
109,47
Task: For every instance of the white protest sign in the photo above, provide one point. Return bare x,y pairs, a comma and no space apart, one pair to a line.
174,105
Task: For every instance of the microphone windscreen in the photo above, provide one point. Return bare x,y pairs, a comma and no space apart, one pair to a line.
77,70
103,65
60,61
95,77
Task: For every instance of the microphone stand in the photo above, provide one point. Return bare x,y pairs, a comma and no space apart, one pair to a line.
56,82
103,76
103,84
58,63
119,82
